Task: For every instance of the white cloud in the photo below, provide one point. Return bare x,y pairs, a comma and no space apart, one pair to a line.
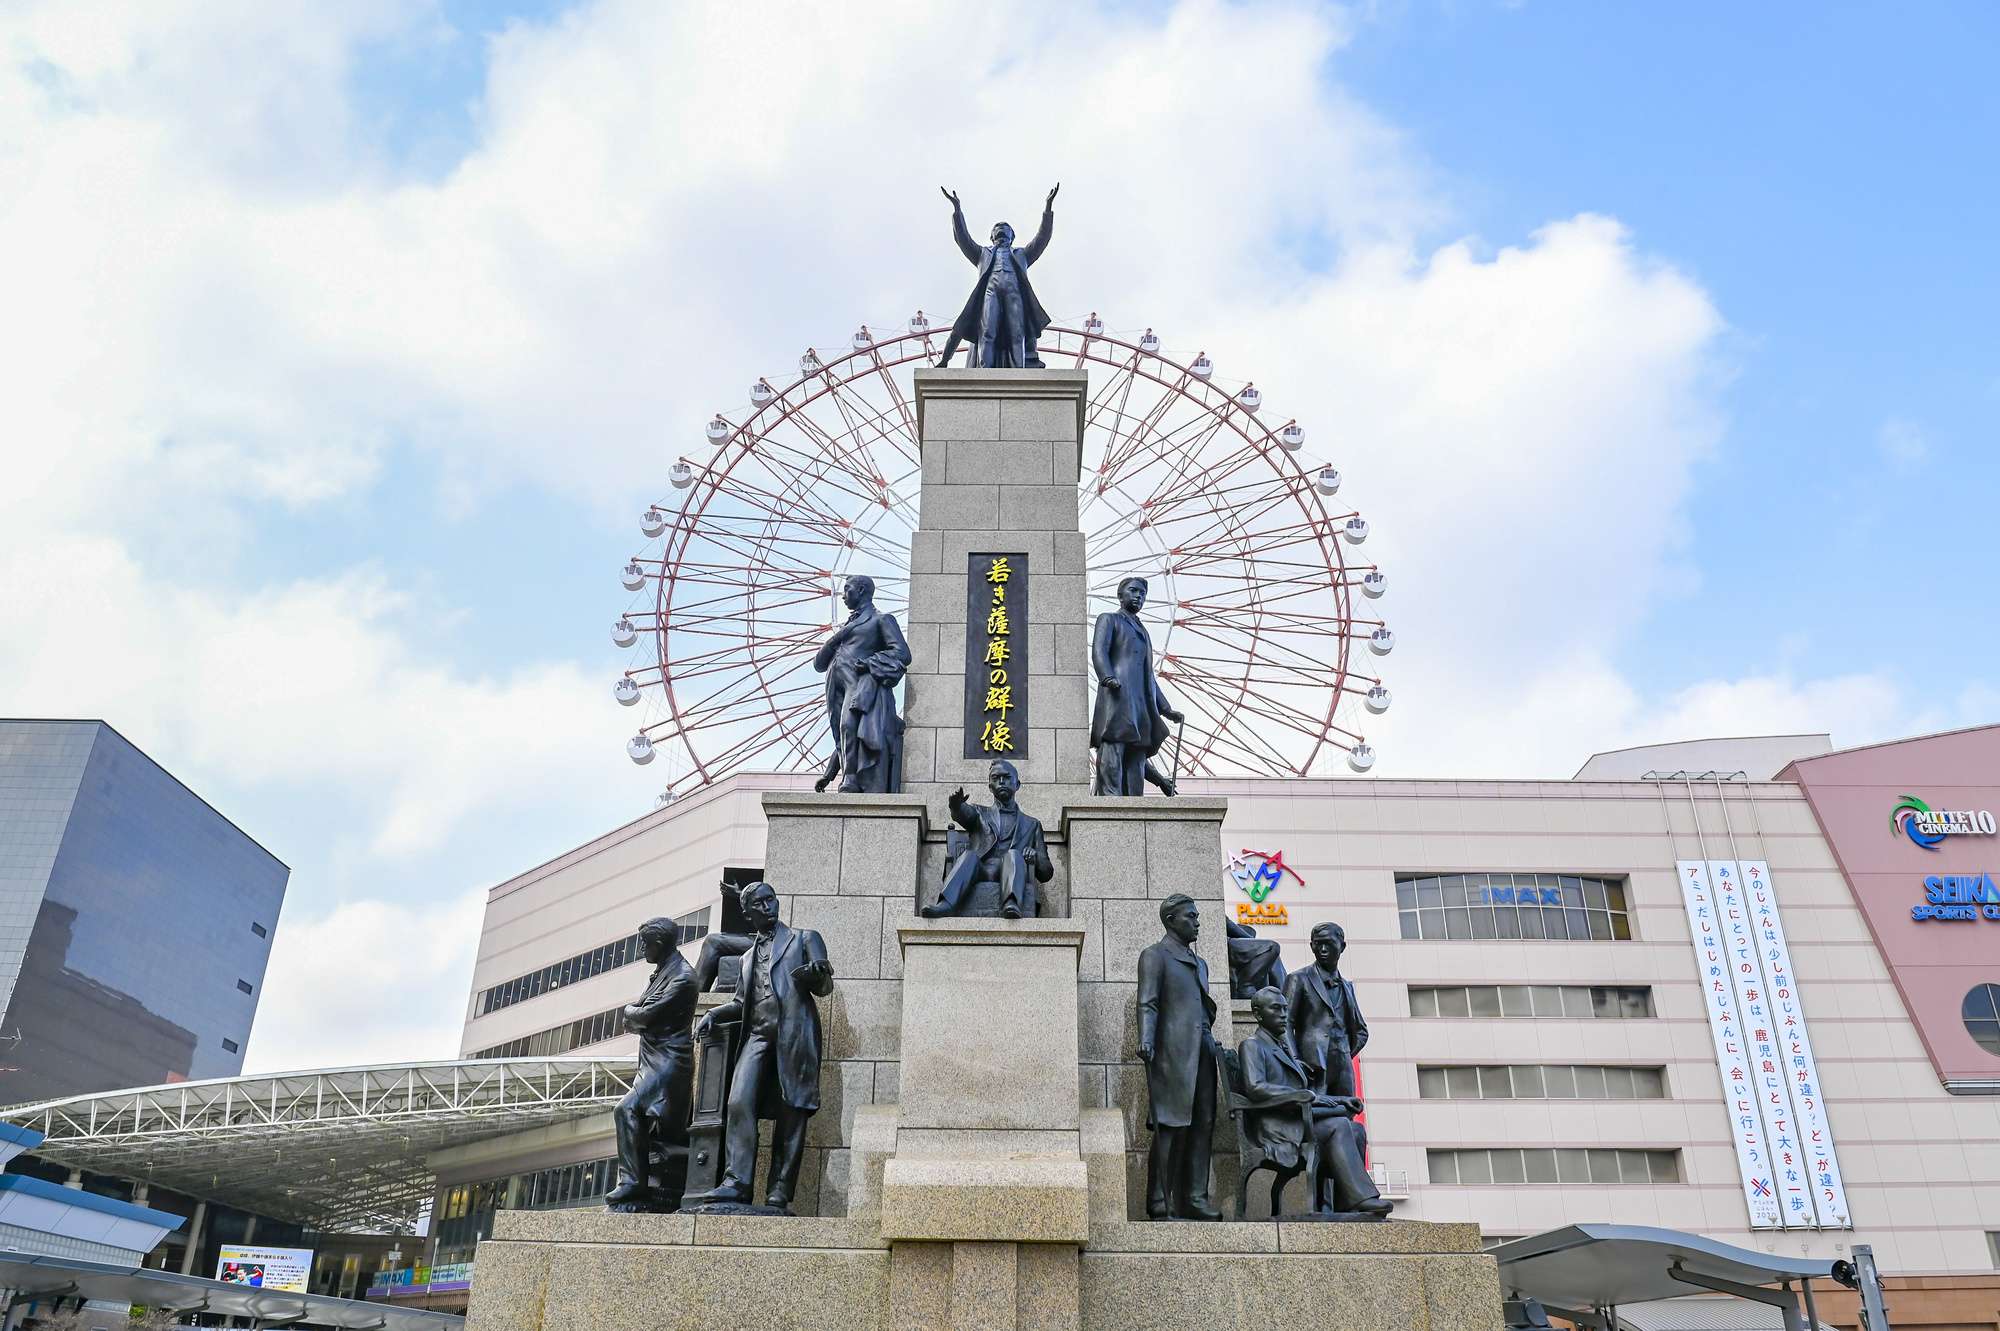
367,982
238,309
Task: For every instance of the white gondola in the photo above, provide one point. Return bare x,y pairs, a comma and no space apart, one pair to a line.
1356,530
1202,367
624,633
717,431
920,323
1293,436
1361,757
680,475
1374,583
639,749
1329,480
1251,398
1093,326
1149,342
1376,700
762,392
652,522
634,577
1381,642
810,363
626,691
862,341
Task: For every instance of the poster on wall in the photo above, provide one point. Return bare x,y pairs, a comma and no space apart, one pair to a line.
1760,1034
286,1269
1829,1193
1732,1060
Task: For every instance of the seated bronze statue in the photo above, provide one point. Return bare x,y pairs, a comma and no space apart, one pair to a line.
1003,849
1296,1129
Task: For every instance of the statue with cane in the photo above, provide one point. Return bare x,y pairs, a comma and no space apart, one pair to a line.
1128,726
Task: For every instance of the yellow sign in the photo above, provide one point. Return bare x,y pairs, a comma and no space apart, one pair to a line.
1266,913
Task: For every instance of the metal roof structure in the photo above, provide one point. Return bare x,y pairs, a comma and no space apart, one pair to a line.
334,1149
68,1278
1590,1273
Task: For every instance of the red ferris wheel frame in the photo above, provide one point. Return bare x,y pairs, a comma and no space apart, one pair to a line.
1189,486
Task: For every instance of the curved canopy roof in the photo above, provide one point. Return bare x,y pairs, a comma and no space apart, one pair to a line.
335,1149
69,1278
1595,1266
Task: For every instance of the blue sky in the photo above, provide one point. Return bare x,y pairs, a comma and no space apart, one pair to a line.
1655,343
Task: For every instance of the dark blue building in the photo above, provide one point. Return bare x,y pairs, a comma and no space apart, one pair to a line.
135,920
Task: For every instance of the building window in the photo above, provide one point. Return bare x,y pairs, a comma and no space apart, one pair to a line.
693,925
244,985
1531,1000
231,1045
1981,1011
1545,1164
571,970
1993,1246
1512,905
1542,1081
259,930
560,1039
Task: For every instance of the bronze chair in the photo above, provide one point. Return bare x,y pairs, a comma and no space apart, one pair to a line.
1249,1154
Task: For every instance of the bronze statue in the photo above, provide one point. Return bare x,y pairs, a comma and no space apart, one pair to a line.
1129,724
1001,318
653,1119
1254,962
1176,1012
863,662
777,1068
1295,1128
1003,847
1327,1029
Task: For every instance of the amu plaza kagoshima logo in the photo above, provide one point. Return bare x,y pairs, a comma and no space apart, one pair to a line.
1258,873
1927,826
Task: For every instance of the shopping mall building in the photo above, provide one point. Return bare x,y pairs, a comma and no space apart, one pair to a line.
1741,987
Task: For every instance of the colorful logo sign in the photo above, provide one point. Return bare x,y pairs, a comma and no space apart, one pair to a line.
1258,873
1926,826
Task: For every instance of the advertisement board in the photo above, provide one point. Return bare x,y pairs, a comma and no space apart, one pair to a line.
286,1269
1732,1058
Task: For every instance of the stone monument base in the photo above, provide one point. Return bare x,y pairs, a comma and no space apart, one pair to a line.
592,1271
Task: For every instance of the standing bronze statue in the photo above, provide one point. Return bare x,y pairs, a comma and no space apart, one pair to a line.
1326,1025
1299,1129
777,1069
653,1119
1001,318
1129,723
1178,1048
1004,847
863,662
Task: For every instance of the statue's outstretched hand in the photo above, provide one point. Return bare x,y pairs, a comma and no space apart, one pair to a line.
1050,202
953,196
956,798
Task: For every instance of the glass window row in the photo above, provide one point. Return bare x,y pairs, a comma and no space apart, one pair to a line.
1554,1164
559,1039
585,965
1512,905
1542,1081
1531,1000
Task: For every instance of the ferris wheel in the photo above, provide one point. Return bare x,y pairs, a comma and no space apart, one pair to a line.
1253,606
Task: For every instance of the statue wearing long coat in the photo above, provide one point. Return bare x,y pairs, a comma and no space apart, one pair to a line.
1121,649
1176,1013
1326,1026
966,327
864,661
798,1015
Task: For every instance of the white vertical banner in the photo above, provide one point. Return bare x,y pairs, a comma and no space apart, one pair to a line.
1760,1029
1829,1193
1732,1059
